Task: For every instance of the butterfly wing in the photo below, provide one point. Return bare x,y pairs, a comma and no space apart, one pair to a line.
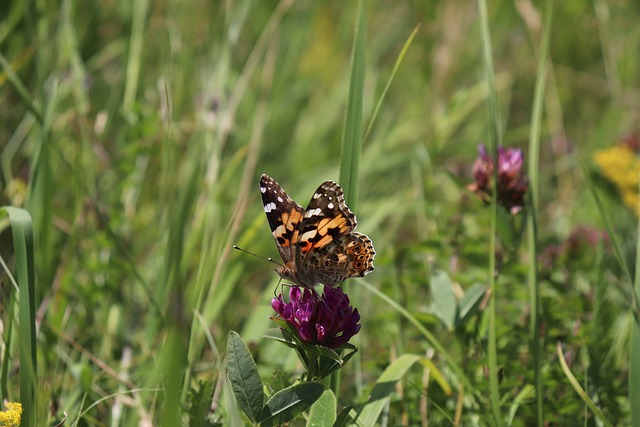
351,255
328,250
326,219
284,215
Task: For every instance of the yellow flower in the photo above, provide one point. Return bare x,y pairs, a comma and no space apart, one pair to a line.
621,166
11,417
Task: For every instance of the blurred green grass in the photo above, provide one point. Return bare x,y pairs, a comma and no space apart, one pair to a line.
157,118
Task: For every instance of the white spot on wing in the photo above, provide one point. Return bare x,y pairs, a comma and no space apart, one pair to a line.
330,205
308,235
313,212
269,207
280,199
263,189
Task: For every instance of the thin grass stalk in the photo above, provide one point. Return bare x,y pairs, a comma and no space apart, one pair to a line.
494,141
22,91
532,218
403,52
634,368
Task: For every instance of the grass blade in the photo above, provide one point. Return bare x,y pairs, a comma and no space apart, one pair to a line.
353,127
617,249
385,386
532,218
494,142
634,369
22,230
425,332
576,386
135,54
403,52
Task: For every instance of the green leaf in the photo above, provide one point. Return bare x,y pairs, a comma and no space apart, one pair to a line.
445,304
504,228
468,305
243,376
323,412
287,404
279,335
328,365
381,393
344,418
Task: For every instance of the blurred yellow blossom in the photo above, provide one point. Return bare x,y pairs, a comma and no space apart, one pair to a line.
11,417
621,166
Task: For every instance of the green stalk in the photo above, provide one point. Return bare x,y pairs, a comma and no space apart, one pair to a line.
634,368
532,219
134,59
353,131
494,141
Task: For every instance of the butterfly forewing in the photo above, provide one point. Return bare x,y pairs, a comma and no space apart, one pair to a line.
284,216
327,219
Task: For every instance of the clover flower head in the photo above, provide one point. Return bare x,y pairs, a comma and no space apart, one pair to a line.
512,182
326,320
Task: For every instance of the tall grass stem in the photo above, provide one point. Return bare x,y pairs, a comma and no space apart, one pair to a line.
494,142
532,218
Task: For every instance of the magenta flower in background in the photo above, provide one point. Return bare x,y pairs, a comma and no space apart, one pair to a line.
326,320
512,181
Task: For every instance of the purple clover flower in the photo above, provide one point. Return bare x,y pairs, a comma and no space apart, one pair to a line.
327,320
512,181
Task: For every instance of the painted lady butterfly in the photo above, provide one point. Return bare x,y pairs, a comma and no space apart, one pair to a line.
317,245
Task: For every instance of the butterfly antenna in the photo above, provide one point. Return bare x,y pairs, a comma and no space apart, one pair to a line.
257,256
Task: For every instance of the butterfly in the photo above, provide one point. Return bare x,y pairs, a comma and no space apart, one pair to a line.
317,245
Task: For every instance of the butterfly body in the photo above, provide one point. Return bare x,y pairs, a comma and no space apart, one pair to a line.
317,244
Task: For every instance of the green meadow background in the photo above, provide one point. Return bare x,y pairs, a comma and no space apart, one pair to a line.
134,133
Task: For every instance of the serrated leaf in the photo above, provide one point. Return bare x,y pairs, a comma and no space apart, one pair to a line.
381,393
287,404
323,412
243,375
445,304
